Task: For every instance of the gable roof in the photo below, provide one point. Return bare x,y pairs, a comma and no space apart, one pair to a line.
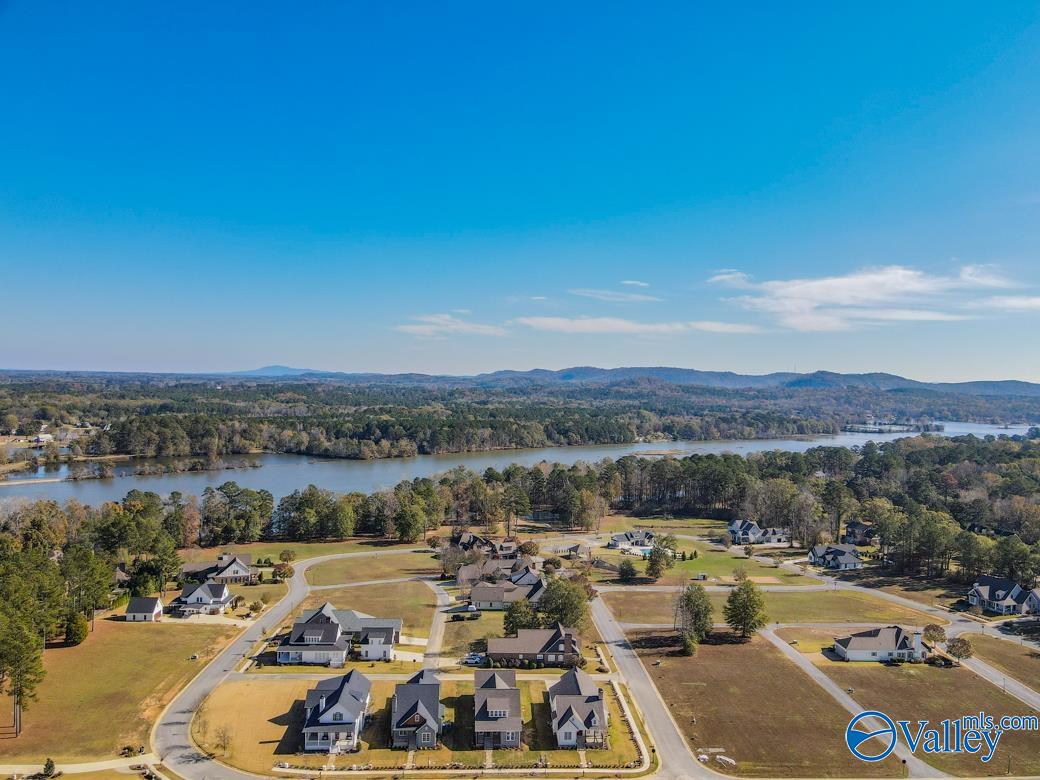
142,604
417,702
506,591
496,691
577,696
889,638
213,591
349,692
350,620
1000,590
642,536
536,640
574,682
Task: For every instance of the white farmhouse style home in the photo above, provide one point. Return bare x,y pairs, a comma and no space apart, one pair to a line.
335,712
210,598
578,711
326,636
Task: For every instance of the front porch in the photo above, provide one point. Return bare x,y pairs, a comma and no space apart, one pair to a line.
331,742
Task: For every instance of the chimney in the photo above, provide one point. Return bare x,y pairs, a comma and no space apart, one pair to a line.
321,703
918,645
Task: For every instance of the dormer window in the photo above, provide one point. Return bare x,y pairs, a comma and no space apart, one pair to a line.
498,713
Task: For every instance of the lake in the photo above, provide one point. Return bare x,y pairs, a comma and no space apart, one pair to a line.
282,474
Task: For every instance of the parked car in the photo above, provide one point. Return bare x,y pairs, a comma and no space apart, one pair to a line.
471,607
473,659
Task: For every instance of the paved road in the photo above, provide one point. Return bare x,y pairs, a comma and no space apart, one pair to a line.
171,740
677,762
915,766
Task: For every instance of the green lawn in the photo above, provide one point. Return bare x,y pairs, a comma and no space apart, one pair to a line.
828,606
413,602
108,691
717,565
250,593
462,636
383,567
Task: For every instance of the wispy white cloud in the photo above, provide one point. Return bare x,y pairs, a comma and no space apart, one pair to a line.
635,283
1009,303
614,296
617,325
432,325
873,295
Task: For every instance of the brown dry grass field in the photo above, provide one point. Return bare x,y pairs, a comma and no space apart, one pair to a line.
366,569
107,692
920,692
926,591
827,606
1016,660
413,602
747,698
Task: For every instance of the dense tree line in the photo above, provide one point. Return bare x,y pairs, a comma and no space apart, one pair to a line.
209,418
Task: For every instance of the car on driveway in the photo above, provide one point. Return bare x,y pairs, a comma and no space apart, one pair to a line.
473,659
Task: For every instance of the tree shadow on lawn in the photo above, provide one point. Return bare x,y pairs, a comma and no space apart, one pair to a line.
669,644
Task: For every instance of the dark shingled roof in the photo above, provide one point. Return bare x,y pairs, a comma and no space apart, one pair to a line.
139,604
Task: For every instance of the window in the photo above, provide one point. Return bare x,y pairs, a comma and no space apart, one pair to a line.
337,716
567,736
426,738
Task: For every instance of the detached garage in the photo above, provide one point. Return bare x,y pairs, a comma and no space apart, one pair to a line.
144,608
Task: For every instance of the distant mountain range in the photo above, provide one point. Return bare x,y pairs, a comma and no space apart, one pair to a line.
590,375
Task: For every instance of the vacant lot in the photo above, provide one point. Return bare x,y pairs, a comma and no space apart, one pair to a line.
1016,660
107,692
752,702
303,550
368,568
919,692
274,591
413,602
462,636
826,606
943,593
719,566
689,526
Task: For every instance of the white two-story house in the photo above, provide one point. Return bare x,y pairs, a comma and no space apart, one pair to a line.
335,712
578,711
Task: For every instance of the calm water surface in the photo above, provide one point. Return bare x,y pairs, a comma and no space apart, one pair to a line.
282,474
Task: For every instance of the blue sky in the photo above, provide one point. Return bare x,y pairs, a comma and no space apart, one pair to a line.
465,187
